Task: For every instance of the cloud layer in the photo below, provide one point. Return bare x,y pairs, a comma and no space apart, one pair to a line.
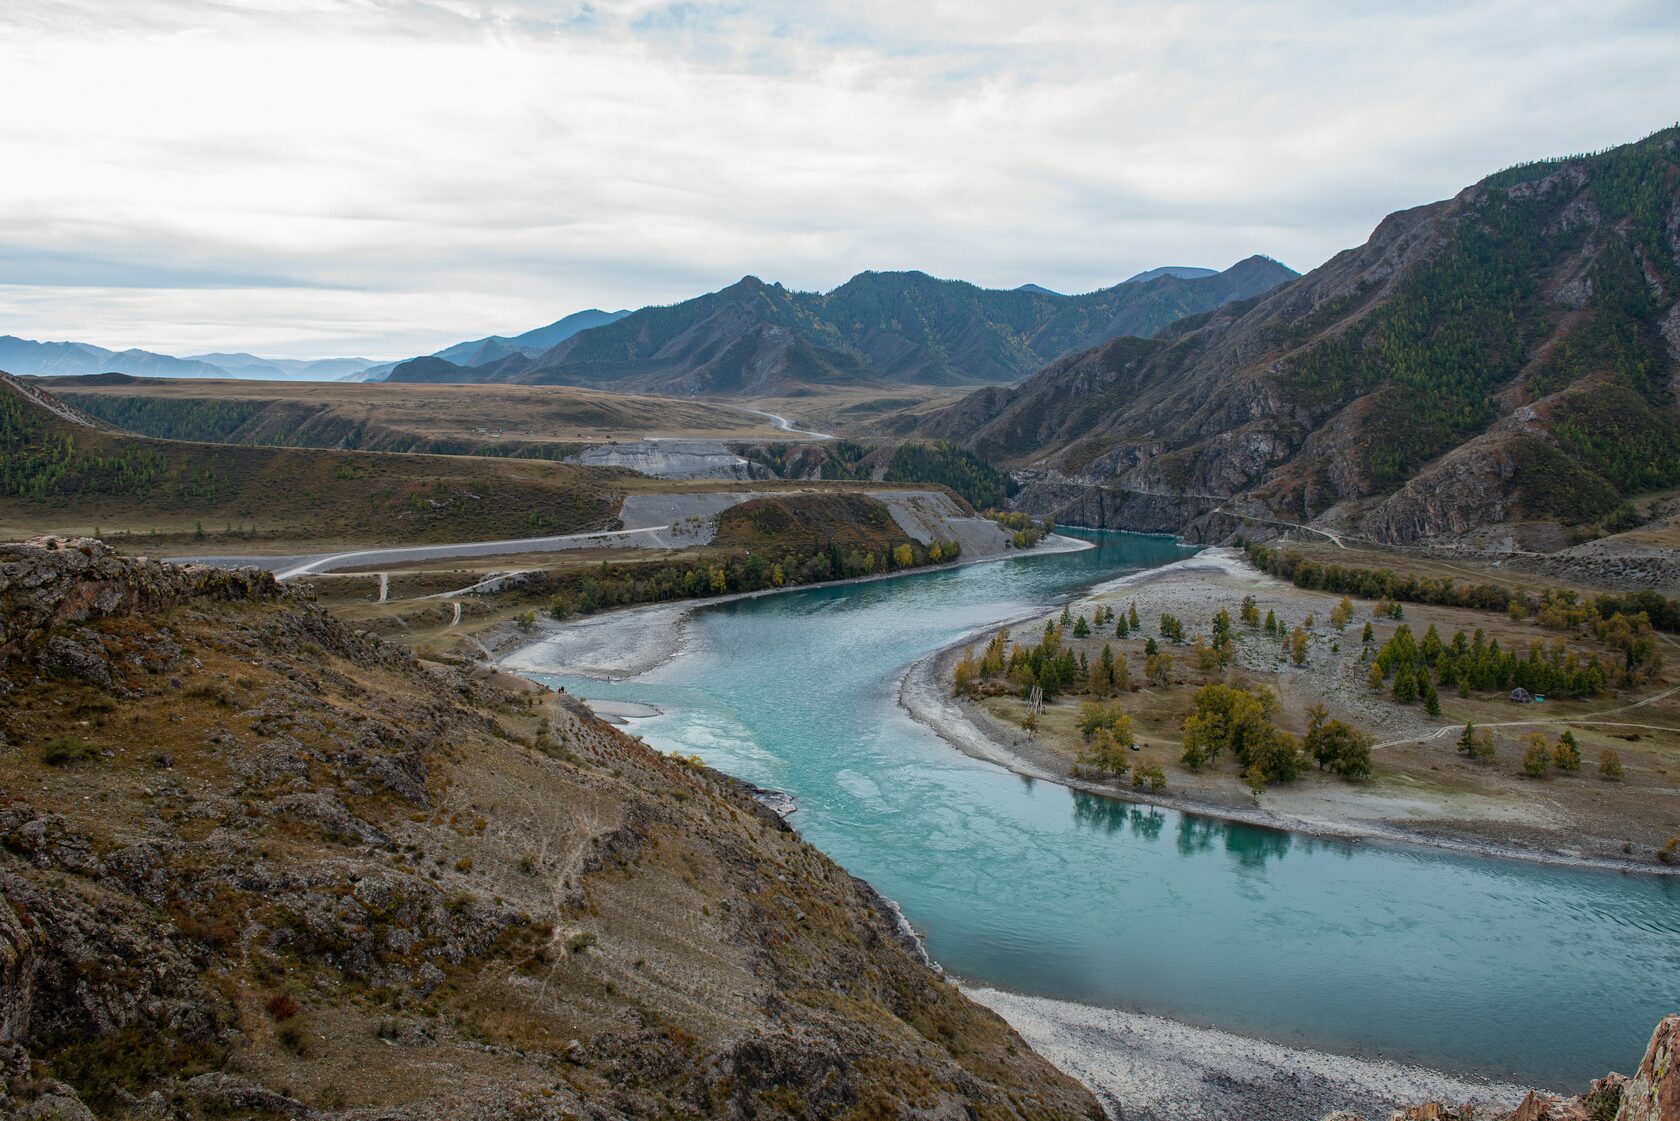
386,176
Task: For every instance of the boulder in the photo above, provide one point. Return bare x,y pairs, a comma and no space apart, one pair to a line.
1653,1093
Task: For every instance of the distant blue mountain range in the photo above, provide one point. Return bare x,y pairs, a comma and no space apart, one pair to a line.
68,359
494,348
72,359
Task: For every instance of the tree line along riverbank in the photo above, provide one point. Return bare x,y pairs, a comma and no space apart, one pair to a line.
1220,687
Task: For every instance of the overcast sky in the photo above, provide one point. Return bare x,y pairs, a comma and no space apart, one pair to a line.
383,177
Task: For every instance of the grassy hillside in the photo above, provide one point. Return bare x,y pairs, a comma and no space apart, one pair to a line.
545,422
55,474
850,521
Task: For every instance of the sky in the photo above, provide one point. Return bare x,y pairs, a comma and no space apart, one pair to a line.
381,178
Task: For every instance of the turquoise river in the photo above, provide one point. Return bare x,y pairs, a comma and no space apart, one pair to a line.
1507,968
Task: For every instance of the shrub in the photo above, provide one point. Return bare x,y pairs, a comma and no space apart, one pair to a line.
66,751
1610,765
292,1038
1536,755
1150,775
282,1006
1566,754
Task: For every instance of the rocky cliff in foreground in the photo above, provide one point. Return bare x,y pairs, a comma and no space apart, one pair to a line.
254,864
1652,1094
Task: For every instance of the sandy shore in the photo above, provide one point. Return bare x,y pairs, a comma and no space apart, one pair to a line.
632,641
609,646
1195,587
1144,1068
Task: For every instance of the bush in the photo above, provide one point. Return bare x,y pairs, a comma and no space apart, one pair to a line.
282,1007
1536,756
67,751
1566,754
1610,765
1670,852
292,1037
1150,775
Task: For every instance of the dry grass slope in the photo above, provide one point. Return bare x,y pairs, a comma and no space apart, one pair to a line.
318,497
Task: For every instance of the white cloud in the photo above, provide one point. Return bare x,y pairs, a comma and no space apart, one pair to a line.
386,176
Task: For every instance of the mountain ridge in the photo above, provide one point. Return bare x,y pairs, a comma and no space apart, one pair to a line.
1503,356
878,328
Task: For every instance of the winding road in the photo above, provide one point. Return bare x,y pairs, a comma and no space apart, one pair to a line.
784,423
287,568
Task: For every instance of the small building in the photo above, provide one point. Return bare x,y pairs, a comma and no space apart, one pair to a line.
1521,696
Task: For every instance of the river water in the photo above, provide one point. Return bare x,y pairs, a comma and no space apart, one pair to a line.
1470,965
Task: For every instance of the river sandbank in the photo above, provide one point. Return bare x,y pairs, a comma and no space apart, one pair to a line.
1474,809
1145,1068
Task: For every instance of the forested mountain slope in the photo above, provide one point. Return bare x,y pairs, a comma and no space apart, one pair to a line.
1507,354
877,328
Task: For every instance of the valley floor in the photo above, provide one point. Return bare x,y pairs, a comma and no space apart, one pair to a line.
1422,789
